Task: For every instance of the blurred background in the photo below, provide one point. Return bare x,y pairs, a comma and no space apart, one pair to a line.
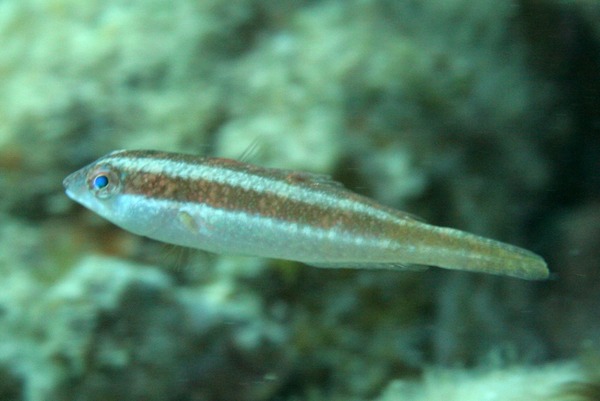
482,116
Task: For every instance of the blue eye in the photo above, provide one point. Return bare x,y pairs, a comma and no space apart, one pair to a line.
100,182
104,181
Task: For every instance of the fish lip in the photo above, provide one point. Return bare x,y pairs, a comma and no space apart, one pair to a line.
68,180
69,184
70,193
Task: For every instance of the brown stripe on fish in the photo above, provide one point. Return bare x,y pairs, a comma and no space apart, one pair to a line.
311,188
266,204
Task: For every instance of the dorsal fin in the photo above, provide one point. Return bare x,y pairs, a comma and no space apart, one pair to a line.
304,177
253,151
410,216
293,176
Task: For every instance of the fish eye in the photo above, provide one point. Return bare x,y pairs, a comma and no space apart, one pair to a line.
104,181
100,181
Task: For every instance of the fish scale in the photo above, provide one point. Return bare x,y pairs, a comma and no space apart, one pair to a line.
227,206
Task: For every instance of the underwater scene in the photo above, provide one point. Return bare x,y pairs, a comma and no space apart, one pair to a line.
299,200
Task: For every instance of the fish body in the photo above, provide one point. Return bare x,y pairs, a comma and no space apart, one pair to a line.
226,206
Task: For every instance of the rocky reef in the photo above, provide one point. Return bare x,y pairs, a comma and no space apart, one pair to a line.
482,117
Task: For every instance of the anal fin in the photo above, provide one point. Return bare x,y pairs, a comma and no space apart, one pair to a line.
366,265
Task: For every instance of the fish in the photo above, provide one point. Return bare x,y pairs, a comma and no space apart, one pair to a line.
228,206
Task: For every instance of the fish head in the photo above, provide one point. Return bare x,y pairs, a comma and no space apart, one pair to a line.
96,186
102,187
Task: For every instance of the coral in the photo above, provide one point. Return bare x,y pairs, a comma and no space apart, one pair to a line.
109,330
509,384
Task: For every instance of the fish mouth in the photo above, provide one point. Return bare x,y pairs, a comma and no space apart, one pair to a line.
67,181
70,193
70,184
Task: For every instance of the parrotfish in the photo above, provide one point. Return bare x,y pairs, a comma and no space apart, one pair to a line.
231,207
